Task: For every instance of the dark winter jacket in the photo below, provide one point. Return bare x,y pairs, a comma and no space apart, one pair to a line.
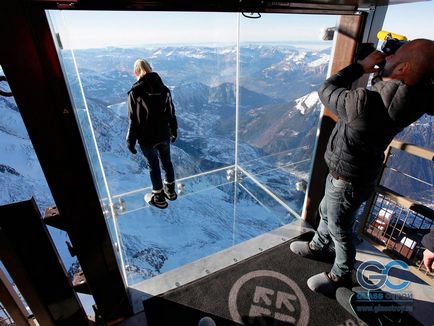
368,121
151,112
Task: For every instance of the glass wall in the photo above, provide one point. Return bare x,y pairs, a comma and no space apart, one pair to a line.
279,106
200,76
245,97
210,215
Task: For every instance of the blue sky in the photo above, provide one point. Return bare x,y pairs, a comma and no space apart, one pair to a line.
94,29
98,29
413,20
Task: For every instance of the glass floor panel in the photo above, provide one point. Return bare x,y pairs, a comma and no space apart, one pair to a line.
211,214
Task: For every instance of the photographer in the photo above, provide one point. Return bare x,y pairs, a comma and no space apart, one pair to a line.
368,120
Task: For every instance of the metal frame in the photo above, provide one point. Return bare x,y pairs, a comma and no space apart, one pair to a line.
304,6
335,7
12,303
424,153
22,237
31,65
346,41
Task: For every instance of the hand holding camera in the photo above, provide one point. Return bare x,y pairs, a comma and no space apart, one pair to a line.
373,62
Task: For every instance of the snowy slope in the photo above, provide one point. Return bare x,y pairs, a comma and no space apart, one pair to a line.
279,110
21,175
202,83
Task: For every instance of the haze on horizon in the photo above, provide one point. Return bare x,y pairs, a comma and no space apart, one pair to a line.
96,29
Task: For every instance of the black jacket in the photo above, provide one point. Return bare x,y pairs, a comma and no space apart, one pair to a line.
368,121
151,112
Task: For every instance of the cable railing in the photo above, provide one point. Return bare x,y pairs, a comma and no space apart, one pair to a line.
396,223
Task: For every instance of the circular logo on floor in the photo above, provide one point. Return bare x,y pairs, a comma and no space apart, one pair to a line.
269,296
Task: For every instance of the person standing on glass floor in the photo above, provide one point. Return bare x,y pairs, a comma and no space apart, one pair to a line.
153,124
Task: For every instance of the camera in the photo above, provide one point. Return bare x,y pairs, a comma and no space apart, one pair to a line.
392,42
391,46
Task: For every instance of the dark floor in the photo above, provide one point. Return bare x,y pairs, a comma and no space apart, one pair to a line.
270,289
267,289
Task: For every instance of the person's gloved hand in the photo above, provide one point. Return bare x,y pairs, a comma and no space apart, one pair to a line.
173,136
132,148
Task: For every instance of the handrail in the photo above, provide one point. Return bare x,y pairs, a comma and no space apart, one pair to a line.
413,149
405,202
178,180
410,176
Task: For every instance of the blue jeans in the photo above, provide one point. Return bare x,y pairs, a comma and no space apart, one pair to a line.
338,210
153,156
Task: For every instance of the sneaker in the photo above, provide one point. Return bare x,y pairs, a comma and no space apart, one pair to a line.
169,190
306,249
327,283
157,199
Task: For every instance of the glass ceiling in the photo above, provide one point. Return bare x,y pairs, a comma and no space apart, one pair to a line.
247,111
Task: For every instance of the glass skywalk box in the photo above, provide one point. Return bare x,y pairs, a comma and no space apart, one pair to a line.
247,108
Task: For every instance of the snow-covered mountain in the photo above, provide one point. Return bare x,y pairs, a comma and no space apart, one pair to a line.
21,176
20,173
278,116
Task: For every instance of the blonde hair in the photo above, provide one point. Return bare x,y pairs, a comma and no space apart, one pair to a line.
142,67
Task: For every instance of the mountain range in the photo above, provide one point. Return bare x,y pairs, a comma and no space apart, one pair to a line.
278,112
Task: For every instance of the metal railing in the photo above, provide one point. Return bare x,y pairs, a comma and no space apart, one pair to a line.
394,222
5,319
